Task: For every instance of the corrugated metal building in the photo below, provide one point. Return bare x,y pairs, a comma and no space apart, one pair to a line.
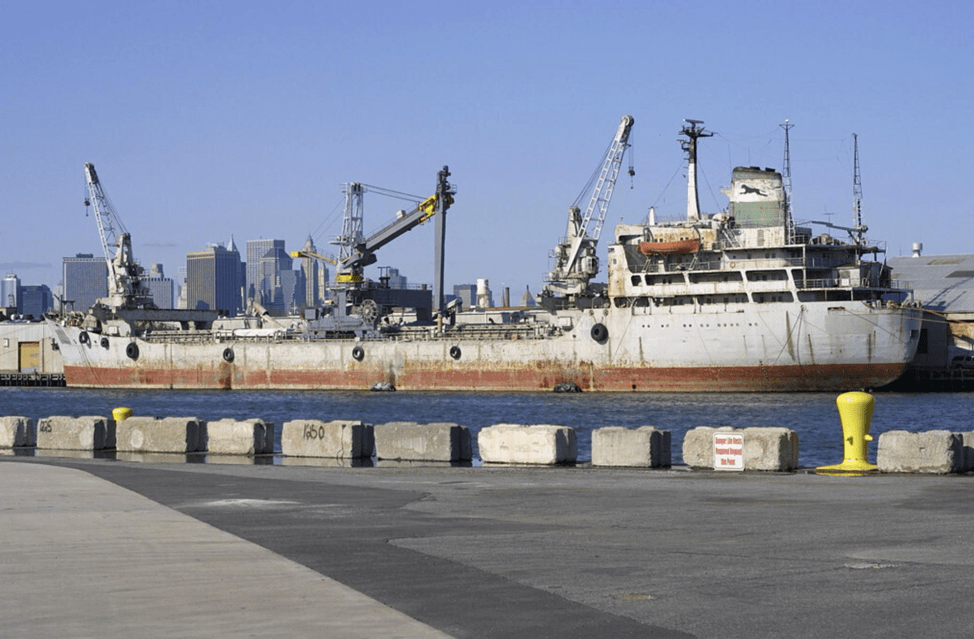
28,347
944,285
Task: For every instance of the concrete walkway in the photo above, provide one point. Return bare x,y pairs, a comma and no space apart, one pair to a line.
99,548
81,557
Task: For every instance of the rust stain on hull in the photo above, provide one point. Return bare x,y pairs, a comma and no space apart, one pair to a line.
541,377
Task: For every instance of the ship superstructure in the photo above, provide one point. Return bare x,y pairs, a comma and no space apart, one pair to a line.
746,299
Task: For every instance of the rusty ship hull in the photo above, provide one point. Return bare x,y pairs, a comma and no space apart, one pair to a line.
747,299
771,349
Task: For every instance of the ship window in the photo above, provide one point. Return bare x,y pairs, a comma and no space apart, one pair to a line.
636,280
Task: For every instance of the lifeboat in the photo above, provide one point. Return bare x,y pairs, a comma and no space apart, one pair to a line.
670,248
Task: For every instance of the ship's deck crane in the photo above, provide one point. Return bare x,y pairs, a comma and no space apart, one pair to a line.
357,251
576,262
125,287
353,293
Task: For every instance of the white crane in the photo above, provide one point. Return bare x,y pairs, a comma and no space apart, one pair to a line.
575,260
125,287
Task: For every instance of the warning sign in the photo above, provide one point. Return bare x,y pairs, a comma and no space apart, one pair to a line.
728,451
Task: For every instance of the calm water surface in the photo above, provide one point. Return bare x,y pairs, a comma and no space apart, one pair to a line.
812,415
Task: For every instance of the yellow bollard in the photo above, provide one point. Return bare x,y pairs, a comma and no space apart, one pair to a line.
121,413
856,413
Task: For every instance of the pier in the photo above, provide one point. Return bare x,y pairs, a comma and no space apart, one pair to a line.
31,379
425,551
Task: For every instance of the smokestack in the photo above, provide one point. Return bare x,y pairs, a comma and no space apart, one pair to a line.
917,247
483,294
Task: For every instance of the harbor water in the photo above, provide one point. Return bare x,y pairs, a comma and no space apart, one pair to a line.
812,415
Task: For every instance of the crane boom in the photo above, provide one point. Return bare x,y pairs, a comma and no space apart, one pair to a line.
109,224
125,287
602,194
576,262
363,252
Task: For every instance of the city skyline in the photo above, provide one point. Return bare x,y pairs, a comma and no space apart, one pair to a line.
211,119
87,277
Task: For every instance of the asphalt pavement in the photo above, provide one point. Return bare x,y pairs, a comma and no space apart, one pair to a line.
106,548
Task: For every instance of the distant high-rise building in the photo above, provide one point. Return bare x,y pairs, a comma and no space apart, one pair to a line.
292,292
35,300
323,281
85,279
467,294
213,279
310,268
181,287
275,284
241,276
396,279
10,291
256,250
160,286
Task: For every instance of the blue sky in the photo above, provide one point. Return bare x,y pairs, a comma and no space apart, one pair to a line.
206,119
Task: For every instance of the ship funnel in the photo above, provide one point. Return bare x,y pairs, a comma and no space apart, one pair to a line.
917,247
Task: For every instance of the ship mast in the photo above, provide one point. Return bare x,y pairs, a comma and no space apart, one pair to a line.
692,132
860,228
786,174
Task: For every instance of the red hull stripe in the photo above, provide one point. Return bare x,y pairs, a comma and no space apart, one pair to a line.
836,377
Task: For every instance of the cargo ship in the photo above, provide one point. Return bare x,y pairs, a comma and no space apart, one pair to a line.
743,300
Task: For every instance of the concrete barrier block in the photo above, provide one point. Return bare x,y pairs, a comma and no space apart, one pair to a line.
643,447
76,433
410,441
17,431
936,452
544,444
698,445
967,444
766,448
770,448
338,439
161,435
246,437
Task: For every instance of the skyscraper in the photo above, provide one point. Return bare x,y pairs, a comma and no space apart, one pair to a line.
467,294
35,300
213,279
310,268
257,249
10,292
276,280
160,286
85,280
